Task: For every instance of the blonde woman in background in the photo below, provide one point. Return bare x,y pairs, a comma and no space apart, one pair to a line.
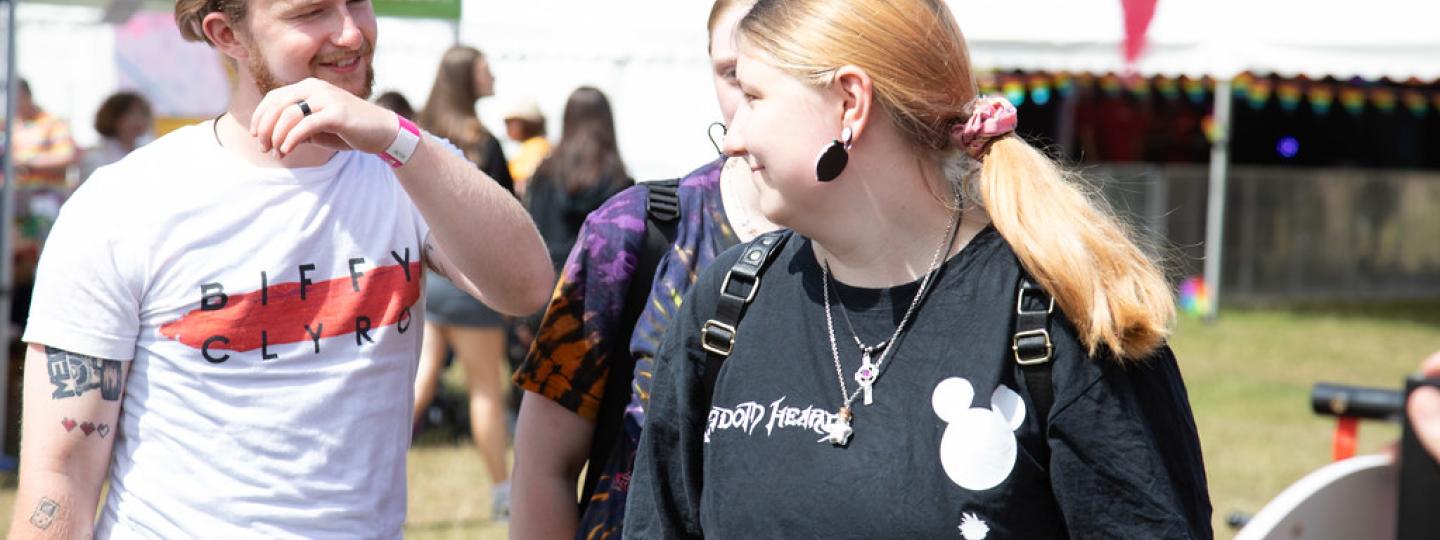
455,321
872,391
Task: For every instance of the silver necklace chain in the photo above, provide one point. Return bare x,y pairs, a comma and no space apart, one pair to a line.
845,314
946,240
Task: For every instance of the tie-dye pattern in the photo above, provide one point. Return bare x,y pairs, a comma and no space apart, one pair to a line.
568,364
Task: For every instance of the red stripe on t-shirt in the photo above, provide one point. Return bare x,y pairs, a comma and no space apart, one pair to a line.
384,298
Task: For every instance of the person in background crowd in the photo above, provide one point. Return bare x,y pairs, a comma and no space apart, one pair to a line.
395,101
44,150
898,372
582,172
123,120
456,321
525,124
587,375
43,154
224,328
462,80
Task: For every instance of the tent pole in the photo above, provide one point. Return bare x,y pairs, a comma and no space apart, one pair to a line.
7,224
1215,208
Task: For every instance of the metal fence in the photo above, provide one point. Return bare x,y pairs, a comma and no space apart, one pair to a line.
1292,235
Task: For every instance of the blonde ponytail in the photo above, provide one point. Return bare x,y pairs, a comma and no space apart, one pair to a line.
916,55
1077,249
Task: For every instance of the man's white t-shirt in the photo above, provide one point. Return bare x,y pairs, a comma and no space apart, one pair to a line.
272,320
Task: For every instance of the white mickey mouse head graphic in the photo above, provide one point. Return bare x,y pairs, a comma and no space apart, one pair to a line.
978,447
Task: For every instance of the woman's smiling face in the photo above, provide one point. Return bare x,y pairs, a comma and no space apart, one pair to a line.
780,128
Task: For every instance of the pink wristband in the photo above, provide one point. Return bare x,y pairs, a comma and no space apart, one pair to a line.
407,138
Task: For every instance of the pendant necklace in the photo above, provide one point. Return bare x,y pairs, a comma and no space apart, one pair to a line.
839,430
869,370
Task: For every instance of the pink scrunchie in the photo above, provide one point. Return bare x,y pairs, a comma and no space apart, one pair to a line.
993,117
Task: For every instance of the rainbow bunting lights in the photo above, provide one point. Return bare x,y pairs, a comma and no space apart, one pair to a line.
1321,97
1414,97
1384,99
1259,94
1352,99
1289,95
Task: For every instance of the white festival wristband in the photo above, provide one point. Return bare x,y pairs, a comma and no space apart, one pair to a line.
407,138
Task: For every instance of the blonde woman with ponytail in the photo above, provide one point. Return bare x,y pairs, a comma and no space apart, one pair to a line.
896,370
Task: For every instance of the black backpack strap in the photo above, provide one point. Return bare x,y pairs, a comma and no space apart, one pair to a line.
662,204
662,213
1031,345
662,217
737,290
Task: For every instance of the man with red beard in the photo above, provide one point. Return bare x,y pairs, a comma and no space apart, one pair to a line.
226,322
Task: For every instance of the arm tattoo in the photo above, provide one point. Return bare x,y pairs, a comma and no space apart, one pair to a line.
86,428
44,514
74,374
428,253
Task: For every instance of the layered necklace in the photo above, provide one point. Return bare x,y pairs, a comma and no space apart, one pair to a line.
838,430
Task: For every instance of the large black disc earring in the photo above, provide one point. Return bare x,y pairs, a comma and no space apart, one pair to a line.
834,157
710,132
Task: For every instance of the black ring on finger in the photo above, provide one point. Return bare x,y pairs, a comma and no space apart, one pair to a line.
304,107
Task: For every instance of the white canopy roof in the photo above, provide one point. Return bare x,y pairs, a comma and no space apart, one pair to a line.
1398,39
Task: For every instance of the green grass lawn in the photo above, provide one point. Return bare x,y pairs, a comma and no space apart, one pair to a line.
1250,374
449,495
1249,377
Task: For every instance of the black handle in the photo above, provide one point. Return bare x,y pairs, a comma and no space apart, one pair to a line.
1328,399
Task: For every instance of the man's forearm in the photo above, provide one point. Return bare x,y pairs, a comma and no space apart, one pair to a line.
68,429
481,228
54,505
494,247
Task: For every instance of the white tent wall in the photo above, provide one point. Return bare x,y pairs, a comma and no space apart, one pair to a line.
407,51
1396,39
1083,36
1220,38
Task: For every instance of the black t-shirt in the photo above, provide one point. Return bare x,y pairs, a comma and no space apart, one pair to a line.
948,449
558,214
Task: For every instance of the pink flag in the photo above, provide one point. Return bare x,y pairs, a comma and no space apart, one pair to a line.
1138,14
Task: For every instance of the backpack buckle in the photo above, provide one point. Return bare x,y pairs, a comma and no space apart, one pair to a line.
1032,360
717,337
1020,302
749,294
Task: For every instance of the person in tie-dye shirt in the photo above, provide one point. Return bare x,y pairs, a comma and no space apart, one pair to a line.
564,375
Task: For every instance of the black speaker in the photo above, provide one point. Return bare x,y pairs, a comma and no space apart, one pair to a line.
1419,513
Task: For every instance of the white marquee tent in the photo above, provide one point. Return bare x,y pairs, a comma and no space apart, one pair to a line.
1397,39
